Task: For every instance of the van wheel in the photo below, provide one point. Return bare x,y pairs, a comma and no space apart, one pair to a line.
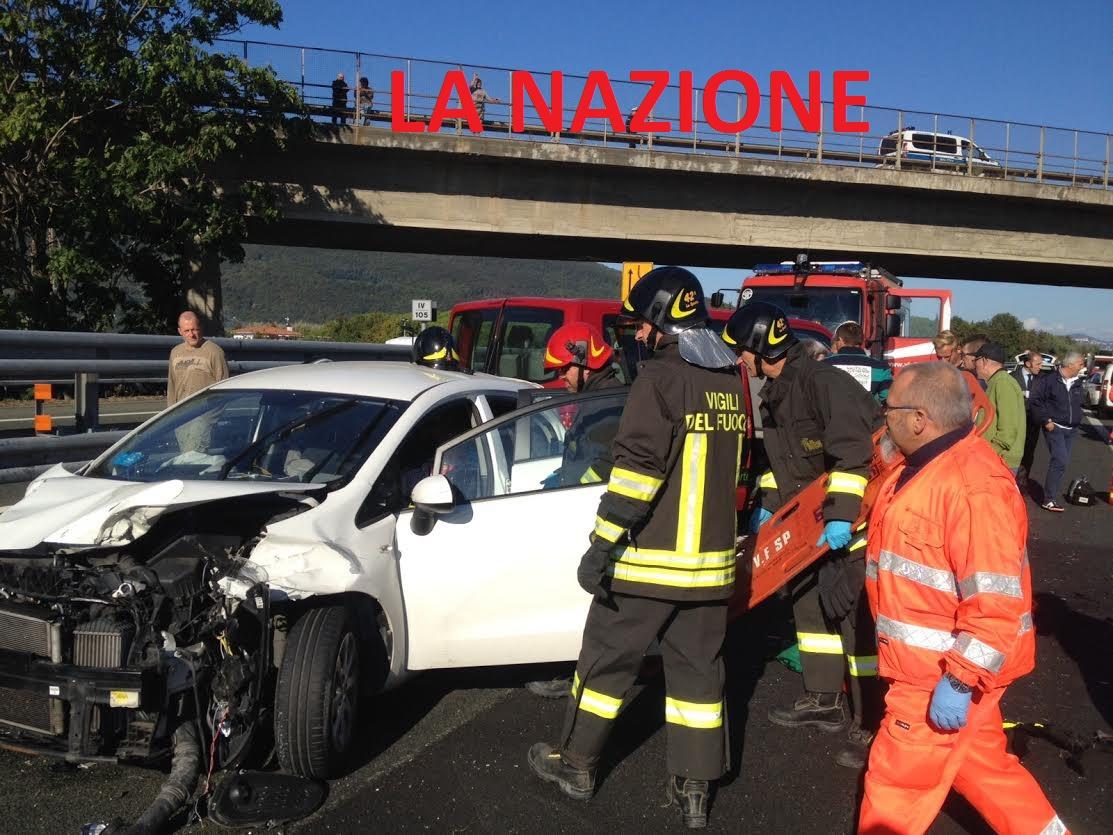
316,708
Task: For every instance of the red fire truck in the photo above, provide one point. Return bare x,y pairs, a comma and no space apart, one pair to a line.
899,323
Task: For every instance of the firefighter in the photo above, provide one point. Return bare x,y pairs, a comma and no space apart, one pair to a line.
949,583
434,347
662,557
582,359
818,420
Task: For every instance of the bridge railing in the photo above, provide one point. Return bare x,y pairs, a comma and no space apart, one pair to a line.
1011,150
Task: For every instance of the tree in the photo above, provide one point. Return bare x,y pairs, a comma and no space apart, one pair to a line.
113,118
364,327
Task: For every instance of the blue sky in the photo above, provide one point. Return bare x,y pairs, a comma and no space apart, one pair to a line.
1022,61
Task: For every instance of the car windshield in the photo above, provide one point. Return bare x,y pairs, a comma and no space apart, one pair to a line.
297,436
830,306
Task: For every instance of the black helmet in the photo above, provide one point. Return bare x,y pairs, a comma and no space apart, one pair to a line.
670,298
435,348
759,327
1081,493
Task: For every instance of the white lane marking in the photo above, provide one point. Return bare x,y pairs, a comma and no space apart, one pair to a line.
70,417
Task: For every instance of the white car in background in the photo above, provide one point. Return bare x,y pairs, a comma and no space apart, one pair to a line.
252,555
1097,390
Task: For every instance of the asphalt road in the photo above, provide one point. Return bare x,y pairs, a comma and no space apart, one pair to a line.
447,752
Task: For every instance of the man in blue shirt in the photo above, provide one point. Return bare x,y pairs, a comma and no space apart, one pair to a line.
1056,403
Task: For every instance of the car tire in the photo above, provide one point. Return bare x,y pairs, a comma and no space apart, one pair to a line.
316,708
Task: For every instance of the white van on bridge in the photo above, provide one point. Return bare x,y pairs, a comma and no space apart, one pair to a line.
940,150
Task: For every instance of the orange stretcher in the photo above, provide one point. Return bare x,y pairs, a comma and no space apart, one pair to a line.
785,545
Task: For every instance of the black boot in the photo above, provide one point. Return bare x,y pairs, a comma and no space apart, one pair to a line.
556,688
692,797
855,751
825,711
547,763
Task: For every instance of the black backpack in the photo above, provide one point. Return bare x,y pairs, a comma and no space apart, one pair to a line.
1080,492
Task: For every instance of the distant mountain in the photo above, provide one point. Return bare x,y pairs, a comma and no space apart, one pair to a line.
1102,342
315,285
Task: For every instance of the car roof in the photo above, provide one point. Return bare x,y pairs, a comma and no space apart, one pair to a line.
390,380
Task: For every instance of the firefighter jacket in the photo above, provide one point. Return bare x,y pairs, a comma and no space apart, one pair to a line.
947,571
669,509
587,448
816,419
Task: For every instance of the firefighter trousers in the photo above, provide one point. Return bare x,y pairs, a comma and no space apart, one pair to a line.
831,649
616,637
912,766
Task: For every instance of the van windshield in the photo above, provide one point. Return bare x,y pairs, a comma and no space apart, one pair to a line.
830,306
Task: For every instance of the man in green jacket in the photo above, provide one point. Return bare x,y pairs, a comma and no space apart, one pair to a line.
1006,435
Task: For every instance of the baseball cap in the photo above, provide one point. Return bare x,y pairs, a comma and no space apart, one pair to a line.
991,351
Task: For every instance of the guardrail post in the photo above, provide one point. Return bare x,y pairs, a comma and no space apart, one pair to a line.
1074,162
738,120
970,156
1008,126
303,75
819,139
86,397
1108,154
900,137
358,102
409,79
1039,157
44,423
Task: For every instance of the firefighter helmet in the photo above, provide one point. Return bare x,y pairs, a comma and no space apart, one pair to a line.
669,298
759,327
577,343
435,348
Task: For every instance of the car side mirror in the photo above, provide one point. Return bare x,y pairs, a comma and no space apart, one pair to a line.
433,494
893,302
717,298
892,324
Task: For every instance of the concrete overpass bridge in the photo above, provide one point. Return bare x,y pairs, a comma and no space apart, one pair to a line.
1043,217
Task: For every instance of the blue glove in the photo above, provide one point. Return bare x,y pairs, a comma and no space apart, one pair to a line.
948,706
758,518
550,481
836,534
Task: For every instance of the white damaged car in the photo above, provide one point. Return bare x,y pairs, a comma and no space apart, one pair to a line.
250,558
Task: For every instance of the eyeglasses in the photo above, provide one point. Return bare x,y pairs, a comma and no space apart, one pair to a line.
886,408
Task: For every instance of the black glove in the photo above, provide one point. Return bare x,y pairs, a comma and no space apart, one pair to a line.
840,581
592,573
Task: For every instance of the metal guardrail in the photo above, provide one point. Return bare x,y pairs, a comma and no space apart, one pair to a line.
35,356
1022,151
41,452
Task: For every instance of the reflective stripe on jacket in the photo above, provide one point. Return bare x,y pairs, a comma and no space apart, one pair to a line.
669,508
947,572
817,420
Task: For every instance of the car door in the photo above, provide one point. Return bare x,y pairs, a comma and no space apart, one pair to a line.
494,581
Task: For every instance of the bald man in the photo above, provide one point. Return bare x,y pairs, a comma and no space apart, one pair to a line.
194,364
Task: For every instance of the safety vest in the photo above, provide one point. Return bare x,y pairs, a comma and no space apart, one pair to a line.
947,572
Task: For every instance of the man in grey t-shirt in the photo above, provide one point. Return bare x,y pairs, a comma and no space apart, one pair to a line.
194,364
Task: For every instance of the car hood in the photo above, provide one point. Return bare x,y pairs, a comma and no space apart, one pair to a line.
66,509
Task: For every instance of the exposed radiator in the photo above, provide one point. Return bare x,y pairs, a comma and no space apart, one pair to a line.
31,711
102,643
26,629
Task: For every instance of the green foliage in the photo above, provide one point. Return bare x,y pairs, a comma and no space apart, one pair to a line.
363,327
1009,331
113,118
315,285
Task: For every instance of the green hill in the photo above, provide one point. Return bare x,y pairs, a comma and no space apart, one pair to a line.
316,285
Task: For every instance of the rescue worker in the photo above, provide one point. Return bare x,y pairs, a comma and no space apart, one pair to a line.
582,359
818,420
434,347
662,557
872,374
949,583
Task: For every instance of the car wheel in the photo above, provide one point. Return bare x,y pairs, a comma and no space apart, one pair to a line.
317,703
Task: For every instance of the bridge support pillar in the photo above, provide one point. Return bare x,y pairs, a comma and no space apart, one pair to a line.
203,295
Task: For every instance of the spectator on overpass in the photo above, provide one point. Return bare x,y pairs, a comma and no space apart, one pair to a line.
1025,375
949,584
946,347
339,99
1057,405
872,374
194,364
1006,435
481,97
969,348
365,99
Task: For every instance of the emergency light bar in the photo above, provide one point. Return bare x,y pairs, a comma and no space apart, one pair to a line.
823,267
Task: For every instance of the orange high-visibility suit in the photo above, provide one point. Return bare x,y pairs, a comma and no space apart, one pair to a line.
949,585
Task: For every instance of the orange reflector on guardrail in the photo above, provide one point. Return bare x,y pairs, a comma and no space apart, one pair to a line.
44,423
43,392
